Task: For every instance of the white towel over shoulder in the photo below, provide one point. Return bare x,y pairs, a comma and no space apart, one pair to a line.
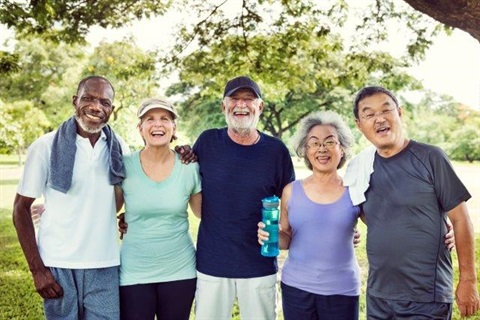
357,174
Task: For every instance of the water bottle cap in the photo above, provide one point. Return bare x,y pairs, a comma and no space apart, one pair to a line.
270,202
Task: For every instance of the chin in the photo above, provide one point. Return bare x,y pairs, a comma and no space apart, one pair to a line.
90,128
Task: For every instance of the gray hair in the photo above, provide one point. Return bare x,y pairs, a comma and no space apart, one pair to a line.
326,118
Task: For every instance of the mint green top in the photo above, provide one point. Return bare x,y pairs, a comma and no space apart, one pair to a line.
158,246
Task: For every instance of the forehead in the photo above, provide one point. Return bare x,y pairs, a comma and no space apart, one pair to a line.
243,92
322,131
376,101
98,88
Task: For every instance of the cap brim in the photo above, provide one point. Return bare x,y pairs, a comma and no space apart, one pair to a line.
229,93
157,106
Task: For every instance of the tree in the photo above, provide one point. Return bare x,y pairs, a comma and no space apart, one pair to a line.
21,123
301,65
45,76
443,122
461,14
70,20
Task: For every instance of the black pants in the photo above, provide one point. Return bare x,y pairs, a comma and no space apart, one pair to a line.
385,309
166,300
299,304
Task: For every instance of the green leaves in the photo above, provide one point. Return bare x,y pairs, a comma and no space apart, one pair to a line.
69,20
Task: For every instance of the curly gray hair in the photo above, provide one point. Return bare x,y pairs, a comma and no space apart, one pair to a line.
327,118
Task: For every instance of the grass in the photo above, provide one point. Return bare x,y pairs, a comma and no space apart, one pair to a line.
18,299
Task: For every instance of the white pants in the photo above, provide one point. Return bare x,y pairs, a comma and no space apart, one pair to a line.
215,296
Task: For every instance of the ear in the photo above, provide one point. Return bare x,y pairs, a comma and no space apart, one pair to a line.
400,112
357,122
74,101
261,107
223,106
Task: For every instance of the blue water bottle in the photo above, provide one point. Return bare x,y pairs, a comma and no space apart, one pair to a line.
270,217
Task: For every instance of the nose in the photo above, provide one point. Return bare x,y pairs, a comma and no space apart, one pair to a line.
241,102
96,104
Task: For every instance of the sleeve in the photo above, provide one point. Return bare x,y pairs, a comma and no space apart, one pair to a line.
449,188
35,173
197,182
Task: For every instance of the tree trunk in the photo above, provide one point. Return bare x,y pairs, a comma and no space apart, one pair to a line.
461,14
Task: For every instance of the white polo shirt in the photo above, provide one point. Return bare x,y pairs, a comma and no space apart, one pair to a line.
78,229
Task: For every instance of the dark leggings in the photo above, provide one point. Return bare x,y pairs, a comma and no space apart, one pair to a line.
300,304
166,300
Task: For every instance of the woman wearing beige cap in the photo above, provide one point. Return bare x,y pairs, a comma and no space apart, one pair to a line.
157,272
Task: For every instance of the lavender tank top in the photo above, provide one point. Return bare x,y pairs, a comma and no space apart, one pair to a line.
321,258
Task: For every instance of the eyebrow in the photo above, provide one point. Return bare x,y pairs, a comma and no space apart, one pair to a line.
316,138
385,104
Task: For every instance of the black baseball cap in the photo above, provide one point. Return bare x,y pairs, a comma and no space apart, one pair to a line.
240,83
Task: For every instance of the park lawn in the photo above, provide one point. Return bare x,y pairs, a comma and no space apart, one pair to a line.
18,299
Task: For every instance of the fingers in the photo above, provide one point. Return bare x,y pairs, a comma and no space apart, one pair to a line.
179,149
186,154
46,285
261,234
122,225
450,239
357,238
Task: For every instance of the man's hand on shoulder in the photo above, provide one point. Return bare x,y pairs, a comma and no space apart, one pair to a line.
186,154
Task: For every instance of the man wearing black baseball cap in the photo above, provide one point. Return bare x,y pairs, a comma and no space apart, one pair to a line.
239,166
242,82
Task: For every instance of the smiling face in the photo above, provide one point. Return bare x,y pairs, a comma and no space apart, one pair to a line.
323,148
242,111
379,119
157,127
93,106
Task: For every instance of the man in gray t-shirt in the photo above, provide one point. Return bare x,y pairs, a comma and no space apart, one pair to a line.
413,189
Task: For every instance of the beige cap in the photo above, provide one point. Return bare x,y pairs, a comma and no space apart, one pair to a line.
156,103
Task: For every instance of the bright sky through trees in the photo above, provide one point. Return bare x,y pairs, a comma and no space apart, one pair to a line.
451,66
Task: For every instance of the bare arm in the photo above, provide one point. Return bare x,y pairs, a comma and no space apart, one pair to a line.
466,294
119,201
285,234
43,279
195,203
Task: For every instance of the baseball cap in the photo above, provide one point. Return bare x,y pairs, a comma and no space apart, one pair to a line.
156,103
239,83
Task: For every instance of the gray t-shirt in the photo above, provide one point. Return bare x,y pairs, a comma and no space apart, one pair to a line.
407,201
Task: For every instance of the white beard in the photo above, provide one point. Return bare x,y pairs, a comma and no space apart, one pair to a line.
242,127
85,128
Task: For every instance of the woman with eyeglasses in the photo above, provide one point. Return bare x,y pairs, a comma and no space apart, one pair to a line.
321,276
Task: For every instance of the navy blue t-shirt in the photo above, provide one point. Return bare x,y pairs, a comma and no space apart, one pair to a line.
235,179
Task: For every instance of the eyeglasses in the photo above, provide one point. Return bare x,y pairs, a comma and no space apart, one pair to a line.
315,144
104,102
369,116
